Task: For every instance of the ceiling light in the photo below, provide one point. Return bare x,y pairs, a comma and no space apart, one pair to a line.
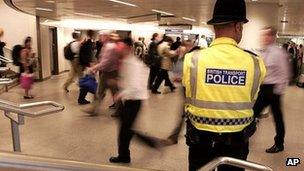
189,19
52,2
255,0
124,3
88,15
44,9
162,12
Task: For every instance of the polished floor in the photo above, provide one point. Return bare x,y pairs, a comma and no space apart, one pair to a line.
73,135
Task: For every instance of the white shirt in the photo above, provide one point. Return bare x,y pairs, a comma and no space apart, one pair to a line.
134,79
75,47
278,68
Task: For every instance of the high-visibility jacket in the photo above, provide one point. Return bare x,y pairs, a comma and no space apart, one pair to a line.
222,84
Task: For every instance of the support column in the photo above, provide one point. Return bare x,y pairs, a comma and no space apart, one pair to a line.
39,46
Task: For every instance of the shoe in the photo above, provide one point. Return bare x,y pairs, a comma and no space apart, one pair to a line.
120,160
113,106
275,149
28,97
83,102
155,92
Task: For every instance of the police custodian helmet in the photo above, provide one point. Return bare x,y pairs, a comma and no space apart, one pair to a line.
227,11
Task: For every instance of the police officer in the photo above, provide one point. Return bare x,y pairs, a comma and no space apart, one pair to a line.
221,85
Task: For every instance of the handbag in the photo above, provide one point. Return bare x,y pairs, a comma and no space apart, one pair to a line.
89,83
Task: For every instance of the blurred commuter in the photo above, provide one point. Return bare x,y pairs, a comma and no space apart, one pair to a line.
86,52
139,48
153,60
166,65
99,44
176,44
87,84
274,85
2,45
221,85
293,51
300,58
196,40
184,48
132,92
28,66
72,54
203,42
108,69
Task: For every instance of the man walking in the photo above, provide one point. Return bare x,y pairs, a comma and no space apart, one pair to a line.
276,81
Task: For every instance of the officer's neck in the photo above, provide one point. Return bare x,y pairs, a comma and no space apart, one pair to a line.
226,34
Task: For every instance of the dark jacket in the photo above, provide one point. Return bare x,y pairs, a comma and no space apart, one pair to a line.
154,58
2,45
86,53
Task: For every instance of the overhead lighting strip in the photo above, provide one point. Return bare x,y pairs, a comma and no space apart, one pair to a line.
124,3
88,15
189,19
162,12
44,9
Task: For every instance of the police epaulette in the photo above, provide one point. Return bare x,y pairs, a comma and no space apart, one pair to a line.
250,52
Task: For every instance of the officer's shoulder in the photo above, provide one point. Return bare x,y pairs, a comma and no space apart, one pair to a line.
250,52
195,50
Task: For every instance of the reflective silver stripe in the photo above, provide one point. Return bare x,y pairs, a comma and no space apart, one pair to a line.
256,77
220,122
219,105
193,73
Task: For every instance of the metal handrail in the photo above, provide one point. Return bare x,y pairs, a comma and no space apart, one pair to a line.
20,109
17,162
234,162
4,69
7,81
6,60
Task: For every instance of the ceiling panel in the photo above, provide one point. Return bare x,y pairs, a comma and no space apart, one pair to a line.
200,10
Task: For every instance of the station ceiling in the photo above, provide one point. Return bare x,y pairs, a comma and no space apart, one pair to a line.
194,12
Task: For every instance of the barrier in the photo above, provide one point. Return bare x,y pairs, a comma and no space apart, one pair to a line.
16,114
234,162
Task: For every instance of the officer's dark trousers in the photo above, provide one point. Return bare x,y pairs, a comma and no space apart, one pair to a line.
205,146
128,115
267,97
163,75
154,72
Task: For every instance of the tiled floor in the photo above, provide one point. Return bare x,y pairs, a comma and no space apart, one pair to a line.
73,135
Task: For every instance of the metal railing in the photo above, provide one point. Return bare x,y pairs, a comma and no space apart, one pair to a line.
18,162
234,162
5,60
7,81
16,114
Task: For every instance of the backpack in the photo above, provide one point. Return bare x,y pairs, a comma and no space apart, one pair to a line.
68,53
16,54
86,53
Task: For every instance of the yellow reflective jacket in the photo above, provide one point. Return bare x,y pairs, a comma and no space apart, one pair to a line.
222,84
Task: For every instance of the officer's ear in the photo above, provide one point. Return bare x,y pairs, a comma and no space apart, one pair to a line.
238,27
